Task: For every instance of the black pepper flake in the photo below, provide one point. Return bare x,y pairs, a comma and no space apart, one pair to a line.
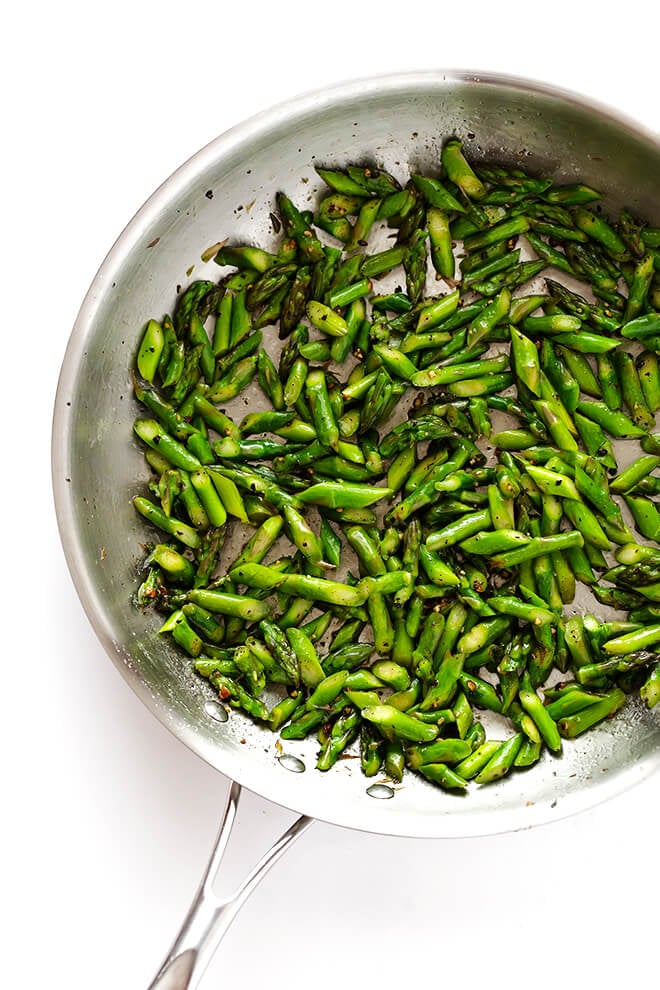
209,194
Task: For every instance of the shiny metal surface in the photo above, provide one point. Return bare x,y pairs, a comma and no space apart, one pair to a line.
210,916
228,189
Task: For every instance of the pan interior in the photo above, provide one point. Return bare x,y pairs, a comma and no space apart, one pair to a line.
227,191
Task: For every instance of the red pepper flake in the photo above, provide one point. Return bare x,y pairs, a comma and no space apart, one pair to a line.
154,242
224,693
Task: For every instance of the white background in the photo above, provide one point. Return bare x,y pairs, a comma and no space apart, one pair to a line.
107,819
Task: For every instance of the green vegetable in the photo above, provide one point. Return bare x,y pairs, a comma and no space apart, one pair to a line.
388,580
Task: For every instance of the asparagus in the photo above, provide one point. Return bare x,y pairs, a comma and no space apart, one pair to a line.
455,572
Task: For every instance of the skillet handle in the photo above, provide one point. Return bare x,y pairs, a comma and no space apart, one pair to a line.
209,916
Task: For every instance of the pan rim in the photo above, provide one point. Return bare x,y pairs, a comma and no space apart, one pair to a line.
288,790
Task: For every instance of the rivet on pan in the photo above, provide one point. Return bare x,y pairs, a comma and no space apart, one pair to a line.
380,791
217,711
291,763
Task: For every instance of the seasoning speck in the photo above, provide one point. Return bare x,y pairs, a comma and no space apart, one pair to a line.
213,250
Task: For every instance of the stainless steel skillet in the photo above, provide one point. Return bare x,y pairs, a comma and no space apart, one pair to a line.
227,189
